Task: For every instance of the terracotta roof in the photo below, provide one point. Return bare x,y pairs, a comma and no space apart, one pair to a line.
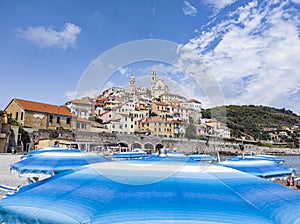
178,107
80,101
161,103
177,122
193,101
43,107
83,120
102,99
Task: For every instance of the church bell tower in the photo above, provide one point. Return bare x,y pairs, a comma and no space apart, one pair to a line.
153,81
132,84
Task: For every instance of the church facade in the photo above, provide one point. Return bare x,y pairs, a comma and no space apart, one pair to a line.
158,87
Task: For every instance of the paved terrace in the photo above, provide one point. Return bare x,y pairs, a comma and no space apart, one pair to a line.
6,177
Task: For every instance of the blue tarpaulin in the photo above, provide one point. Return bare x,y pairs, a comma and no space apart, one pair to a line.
275,159
56,161
49,149
203,157
130,155
260,168
152,191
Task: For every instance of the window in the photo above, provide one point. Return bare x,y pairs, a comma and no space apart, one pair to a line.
125,125
50,118
131,126
68,120
22,116
58,119
17,115
78,125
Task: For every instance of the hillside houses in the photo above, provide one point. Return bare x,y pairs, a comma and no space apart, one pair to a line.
157,111
132,110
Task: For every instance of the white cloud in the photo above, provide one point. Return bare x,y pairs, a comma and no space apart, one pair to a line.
125,71
49,37
218,4
108,85
69,95
188,9
254,54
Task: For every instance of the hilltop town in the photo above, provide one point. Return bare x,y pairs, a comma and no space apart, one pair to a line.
131,113
133,110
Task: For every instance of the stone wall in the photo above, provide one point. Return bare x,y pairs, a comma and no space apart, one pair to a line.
87,140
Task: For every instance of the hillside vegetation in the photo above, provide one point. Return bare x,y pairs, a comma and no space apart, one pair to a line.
250,120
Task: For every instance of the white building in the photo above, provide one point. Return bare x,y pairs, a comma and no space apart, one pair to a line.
179,112
126,107
193,104
122,124
81,108
168,97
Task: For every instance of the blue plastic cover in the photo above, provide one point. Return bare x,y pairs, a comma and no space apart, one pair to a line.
130,155
56,161
160,191
256,157
48,149
260,168
203,157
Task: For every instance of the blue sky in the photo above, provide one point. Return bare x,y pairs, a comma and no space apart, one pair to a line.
251,47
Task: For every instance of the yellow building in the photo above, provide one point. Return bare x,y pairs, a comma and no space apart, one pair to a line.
162,127
39,115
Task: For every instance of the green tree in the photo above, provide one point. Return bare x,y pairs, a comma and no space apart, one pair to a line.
152,114
191,131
